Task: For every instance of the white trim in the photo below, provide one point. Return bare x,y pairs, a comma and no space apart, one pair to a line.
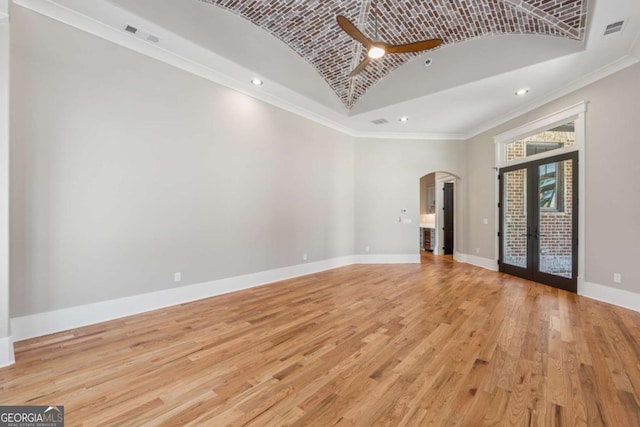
74,317
489,264
387,259
50,322
201,62
6,347
409,135
619,297
6,352
539,156
192,58
539,125
459,256
599,74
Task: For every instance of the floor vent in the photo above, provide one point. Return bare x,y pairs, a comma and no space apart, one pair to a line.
616,27
379,121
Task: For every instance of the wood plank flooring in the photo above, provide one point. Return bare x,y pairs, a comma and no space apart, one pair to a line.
438,343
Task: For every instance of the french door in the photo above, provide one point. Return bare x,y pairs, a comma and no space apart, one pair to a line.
539,221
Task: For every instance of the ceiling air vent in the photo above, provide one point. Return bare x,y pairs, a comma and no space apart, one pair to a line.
131,29
380,121
616,27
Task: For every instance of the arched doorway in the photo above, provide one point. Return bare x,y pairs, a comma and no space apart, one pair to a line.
439,213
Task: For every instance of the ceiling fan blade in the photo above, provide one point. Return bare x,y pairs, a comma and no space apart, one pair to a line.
348,27
360,67
412,47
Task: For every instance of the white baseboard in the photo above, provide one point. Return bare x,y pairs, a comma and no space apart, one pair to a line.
387,259
489,264
6,352
619,297
74,317
459,256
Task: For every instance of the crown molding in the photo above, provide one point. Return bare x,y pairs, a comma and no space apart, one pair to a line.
189,57
196,60
411,136
602,72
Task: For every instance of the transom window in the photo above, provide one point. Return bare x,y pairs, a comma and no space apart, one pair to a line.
549,140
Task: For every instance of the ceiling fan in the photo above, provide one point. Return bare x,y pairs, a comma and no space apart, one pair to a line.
377,49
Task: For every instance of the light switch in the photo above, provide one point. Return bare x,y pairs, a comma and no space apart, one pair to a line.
485,221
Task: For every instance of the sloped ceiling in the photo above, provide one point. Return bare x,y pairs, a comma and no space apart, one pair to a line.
309,28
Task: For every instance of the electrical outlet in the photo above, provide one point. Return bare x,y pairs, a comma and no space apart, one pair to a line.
366,248
617,278
177,276
304,256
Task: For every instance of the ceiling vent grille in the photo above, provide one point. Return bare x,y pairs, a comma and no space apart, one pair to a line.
616,27
380,121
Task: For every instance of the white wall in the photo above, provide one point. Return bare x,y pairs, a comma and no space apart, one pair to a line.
126,170
612,192
387,179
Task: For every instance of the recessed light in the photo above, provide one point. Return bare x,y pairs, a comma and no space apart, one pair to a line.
428,62
404,119
522,92
256,82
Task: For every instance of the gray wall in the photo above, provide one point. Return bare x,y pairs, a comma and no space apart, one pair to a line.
612,180
387,179
126,170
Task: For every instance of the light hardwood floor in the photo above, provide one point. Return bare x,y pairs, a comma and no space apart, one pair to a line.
438,343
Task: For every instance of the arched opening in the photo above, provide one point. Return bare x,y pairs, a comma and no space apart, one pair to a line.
439,214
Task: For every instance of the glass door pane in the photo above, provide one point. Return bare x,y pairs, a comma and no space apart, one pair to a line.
555,227
515,218
539,221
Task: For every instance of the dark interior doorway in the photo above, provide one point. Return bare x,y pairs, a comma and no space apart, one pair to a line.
448,209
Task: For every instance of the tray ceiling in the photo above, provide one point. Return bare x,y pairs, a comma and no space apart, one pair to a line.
309,28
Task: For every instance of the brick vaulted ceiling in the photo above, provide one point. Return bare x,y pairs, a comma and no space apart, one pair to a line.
309,28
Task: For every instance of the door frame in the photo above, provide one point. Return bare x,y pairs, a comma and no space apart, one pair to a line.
574,113
532,271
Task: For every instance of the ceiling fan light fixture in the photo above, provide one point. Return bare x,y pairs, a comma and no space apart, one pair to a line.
376,52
